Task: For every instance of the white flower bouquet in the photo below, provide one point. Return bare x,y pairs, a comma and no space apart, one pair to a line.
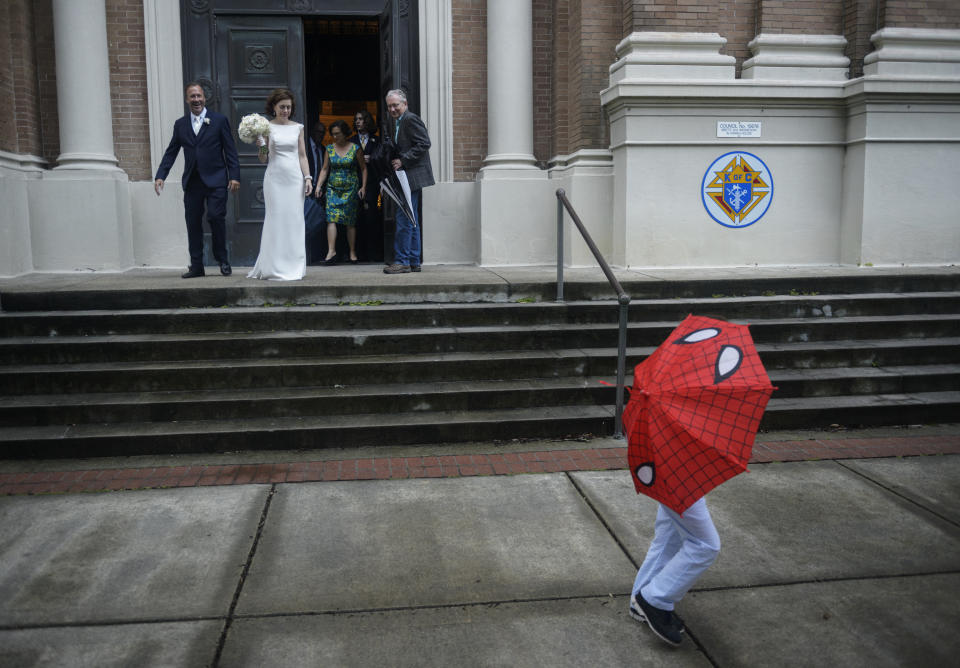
251,127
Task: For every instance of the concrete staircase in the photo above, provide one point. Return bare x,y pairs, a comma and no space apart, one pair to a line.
123,372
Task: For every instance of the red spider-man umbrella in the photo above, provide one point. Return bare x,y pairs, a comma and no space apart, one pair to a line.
694,410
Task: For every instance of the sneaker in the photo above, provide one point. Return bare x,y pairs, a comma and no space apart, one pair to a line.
637,614
397,269
666,625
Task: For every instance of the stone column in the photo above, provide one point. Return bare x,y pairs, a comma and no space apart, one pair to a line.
95,231
83,85
517,209
509,85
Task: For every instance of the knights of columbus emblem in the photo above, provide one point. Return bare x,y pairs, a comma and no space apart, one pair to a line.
737,189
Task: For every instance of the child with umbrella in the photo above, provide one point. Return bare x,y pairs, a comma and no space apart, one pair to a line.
694,410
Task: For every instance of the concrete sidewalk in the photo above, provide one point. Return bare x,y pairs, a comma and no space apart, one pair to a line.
852,562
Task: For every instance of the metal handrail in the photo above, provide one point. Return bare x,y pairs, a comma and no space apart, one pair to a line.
622,297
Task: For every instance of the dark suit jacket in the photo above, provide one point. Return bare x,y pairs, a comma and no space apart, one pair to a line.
211,152
412,146
372,178
315,164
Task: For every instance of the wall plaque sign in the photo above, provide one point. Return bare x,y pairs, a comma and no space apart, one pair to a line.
738,129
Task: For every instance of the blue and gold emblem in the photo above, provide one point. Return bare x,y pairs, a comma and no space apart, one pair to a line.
737,189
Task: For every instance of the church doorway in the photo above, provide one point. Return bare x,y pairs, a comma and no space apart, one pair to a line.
342,79
336,56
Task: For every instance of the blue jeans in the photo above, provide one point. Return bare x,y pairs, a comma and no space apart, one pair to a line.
406,240
683,547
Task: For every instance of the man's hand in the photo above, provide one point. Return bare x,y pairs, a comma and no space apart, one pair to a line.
233,186
158,186
397,165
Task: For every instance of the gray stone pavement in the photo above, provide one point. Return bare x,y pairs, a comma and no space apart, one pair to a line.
824,563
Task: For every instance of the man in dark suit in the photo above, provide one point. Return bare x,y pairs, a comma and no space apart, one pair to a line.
314,215
410,153
210,159
369,219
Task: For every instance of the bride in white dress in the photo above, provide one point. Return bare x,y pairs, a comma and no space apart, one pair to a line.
283,255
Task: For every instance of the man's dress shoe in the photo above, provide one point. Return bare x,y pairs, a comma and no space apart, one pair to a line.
193,272
225,268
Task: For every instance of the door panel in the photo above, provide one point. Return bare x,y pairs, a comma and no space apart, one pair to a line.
254,55
389,56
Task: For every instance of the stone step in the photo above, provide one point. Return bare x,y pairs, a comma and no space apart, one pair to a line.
37,410
859,381
55,324
140,292
107,365
290,372
224,404
435,367
302,433
876,410
125,439
413,340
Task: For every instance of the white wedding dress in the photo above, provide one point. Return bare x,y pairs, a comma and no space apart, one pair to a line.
283,253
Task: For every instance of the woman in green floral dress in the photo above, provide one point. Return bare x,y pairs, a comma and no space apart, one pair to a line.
345,189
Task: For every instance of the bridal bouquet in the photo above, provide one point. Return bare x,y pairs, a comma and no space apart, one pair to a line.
251,127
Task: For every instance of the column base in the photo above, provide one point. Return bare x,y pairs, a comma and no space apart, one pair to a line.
509,161
671,55
797,58
91,161
914,53
93,232
517,217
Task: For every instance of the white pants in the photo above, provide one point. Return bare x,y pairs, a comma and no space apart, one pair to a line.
683,547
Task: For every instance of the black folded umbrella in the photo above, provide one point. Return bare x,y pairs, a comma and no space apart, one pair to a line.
392,188
382,170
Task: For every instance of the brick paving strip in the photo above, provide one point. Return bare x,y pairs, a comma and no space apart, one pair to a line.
442,466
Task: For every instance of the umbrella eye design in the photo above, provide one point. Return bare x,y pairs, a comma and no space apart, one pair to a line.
699,335
728,361
646,473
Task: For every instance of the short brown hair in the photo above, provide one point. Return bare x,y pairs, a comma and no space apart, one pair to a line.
342,124
281,94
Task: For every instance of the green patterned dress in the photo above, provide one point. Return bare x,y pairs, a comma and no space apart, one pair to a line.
343,183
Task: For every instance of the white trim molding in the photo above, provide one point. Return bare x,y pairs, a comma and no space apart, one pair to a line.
161,28
436,83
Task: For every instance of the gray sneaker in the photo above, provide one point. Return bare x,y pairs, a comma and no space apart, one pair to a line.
397,269
664,623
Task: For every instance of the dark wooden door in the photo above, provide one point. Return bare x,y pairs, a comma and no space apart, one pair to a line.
254,55
389,67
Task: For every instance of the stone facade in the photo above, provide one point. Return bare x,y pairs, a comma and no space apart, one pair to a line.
128,87
614,82
469,27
